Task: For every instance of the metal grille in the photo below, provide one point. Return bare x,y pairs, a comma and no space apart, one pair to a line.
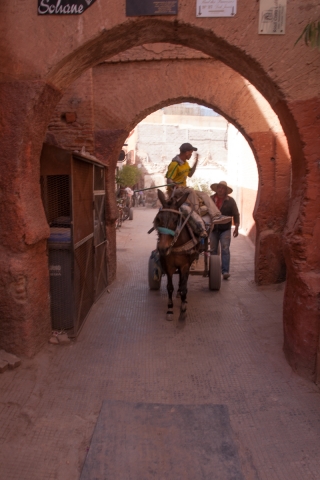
82,198
73,195
55,192
83,280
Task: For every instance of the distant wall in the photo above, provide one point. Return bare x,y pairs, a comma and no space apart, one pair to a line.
243,177
224,154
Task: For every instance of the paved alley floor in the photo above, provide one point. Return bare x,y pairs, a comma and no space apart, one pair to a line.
228,353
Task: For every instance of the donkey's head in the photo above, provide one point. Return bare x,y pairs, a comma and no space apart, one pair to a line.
167,220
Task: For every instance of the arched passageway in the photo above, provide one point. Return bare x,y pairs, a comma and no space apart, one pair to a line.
214,85
119,102
28,100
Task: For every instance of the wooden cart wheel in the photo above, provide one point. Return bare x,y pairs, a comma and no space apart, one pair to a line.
214,272
154,283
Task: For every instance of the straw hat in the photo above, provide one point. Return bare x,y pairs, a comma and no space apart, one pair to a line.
214,186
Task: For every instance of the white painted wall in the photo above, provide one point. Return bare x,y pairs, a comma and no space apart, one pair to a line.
224,154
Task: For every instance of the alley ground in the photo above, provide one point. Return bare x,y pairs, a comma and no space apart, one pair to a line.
228,353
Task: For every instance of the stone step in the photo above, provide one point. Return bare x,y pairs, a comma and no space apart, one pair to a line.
3,366
8,361
60,339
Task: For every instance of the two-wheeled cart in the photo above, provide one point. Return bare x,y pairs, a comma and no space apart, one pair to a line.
207,265
211,264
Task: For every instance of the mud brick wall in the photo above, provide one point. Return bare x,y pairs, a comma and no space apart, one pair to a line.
71,126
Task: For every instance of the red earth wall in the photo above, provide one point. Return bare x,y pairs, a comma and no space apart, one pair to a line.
72,124
42,56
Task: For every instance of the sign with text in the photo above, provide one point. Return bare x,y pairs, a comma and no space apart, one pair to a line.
272,17
136,8
63,7
216,8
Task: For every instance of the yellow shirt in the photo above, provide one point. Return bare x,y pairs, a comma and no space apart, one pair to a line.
178,173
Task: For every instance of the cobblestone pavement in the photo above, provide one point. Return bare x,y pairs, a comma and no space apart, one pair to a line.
229,352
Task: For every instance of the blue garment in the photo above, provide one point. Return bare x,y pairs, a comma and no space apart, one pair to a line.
225,239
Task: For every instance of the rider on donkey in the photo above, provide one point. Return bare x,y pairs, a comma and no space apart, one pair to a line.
178,171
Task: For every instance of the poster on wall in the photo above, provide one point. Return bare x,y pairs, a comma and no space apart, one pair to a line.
63,7
216,8
272,17
135,8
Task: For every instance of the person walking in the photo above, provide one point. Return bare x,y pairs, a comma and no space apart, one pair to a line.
141,199
222,233
129,196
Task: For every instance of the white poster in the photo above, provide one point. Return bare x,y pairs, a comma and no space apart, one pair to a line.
272,17
216,8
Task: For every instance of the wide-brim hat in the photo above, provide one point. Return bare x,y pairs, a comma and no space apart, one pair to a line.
214,186
187,147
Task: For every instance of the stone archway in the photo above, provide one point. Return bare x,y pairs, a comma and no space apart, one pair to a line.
30,91
119,100
228,94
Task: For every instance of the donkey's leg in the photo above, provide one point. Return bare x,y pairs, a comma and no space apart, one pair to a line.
178,291
183,291
170,292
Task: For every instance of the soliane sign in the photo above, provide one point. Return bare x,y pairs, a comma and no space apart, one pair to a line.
63,7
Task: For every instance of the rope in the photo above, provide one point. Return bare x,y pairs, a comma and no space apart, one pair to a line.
169,210
179,229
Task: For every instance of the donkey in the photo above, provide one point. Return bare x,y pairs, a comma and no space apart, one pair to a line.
177,247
